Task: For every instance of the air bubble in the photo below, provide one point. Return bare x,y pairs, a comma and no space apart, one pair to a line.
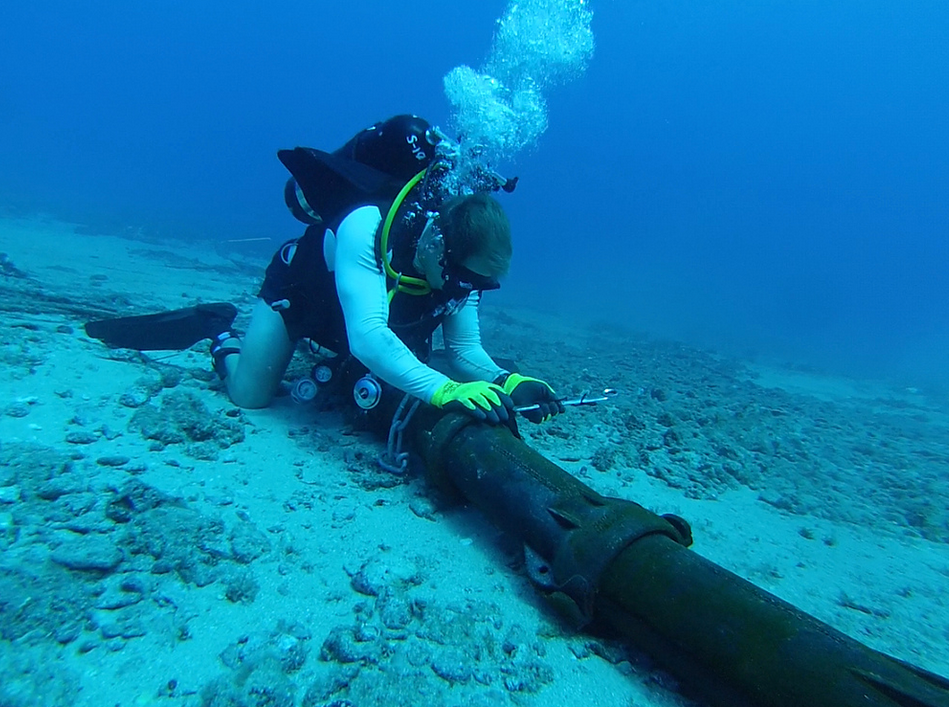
500,110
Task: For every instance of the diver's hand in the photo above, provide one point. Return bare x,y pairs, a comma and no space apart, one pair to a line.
526,391
483,401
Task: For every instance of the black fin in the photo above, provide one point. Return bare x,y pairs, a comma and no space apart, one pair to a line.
333,185
175,330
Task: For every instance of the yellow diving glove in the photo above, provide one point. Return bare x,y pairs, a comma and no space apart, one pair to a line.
526,392
480,399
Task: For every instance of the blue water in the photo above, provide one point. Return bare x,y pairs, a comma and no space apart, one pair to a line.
771,178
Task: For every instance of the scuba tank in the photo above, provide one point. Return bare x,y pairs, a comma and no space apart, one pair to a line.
375,165
372,166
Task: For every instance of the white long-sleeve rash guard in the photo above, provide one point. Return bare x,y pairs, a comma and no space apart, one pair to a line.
362,292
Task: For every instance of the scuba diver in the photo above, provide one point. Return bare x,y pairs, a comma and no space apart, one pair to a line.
397,245
367,280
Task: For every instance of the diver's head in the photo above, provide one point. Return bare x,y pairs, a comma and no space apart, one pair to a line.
402,146
465,246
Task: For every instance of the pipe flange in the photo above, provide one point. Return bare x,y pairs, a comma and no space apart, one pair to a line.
435,443
598,529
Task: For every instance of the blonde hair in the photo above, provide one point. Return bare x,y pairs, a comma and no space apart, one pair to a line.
476,225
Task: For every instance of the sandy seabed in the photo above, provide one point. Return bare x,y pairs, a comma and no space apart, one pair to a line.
162,547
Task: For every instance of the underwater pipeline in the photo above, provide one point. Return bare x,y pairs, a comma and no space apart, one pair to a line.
610,562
